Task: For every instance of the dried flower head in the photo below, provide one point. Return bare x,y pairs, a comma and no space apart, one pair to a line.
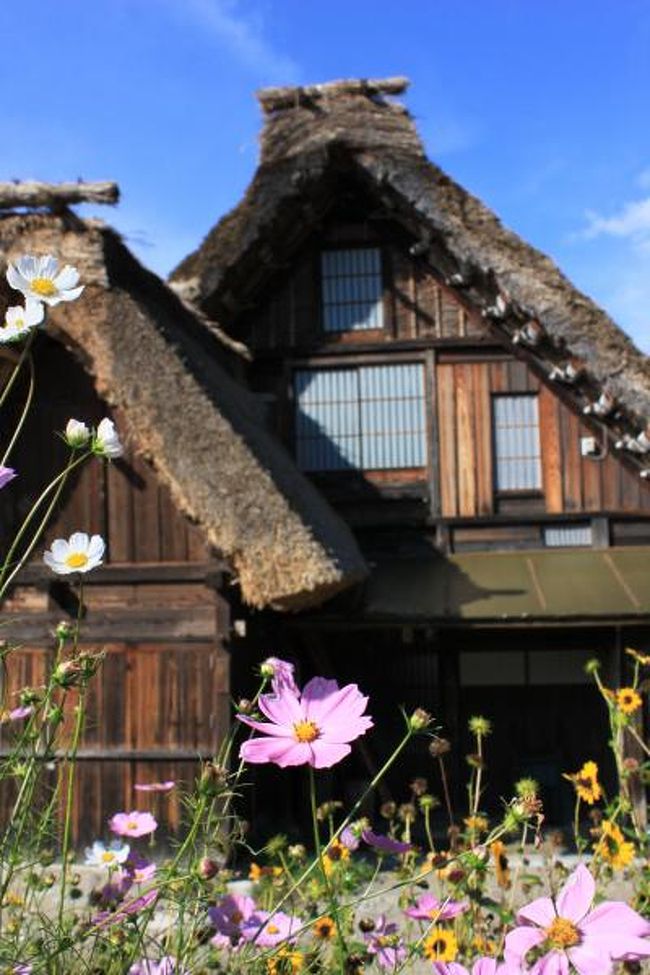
439,747
419,786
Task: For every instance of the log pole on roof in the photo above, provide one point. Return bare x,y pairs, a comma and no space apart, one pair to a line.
56,195
273,99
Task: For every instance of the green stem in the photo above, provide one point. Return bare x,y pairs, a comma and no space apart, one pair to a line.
71,766
17,368
67,823
331,897
23,415
58,483
307,872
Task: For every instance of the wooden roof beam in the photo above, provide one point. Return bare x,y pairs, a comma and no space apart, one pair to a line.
290,96
56,196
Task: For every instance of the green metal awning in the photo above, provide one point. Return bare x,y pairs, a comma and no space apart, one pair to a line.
609,585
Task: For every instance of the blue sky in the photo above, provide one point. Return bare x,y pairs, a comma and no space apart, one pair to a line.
540,107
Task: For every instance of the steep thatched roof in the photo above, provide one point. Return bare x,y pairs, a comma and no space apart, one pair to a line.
310,136
154,358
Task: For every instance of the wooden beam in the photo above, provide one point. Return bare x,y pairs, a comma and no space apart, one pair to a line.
291,96
131,573
194,624
56,195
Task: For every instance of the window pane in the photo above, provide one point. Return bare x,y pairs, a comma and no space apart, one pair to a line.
370,418
567,536
351,289
517,447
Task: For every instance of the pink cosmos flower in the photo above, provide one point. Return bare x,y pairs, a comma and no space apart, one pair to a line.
230,913
126,910
384,844
166,786
282,674
312,728
166,966
132,824
429,908
385,944
139,869
349,839
268,930
6,474
482,966
567,932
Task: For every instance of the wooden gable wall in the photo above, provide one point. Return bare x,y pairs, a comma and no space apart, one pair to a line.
161,697
466,363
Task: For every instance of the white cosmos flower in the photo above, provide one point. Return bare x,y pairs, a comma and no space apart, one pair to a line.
40,278
77,434
107,442
99,855
79,554
19,321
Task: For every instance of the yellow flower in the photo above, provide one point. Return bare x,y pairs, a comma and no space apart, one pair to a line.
324,928
485,946
612,847
336,853
477,824
256,872
440,945
501,868
628,700
586,783
285,962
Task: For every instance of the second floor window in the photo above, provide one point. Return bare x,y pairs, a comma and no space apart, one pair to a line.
368,418
352,289
517,449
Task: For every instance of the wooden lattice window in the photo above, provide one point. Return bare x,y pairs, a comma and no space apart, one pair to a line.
352,289
368,418
517,446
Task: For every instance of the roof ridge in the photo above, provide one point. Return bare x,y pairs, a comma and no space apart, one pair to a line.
274,99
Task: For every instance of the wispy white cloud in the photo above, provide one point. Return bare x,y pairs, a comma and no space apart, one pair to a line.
632,221
242,32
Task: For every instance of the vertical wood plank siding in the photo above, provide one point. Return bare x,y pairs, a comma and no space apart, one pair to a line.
569,482
335,296
163,696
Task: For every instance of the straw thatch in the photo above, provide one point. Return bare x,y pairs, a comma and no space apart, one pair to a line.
316,136
203,432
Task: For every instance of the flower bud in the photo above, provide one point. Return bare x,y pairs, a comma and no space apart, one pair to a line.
65,630
419,786
478,725
419,720
77,434
207,868
592,666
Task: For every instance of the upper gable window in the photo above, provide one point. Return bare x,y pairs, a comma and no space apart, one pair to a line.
517,446
368,418
352,289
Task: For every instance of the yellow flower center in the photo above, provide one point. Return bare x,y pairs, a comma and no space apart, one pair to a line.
306,731
43,286
108,857
562,933
76,560
273,929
